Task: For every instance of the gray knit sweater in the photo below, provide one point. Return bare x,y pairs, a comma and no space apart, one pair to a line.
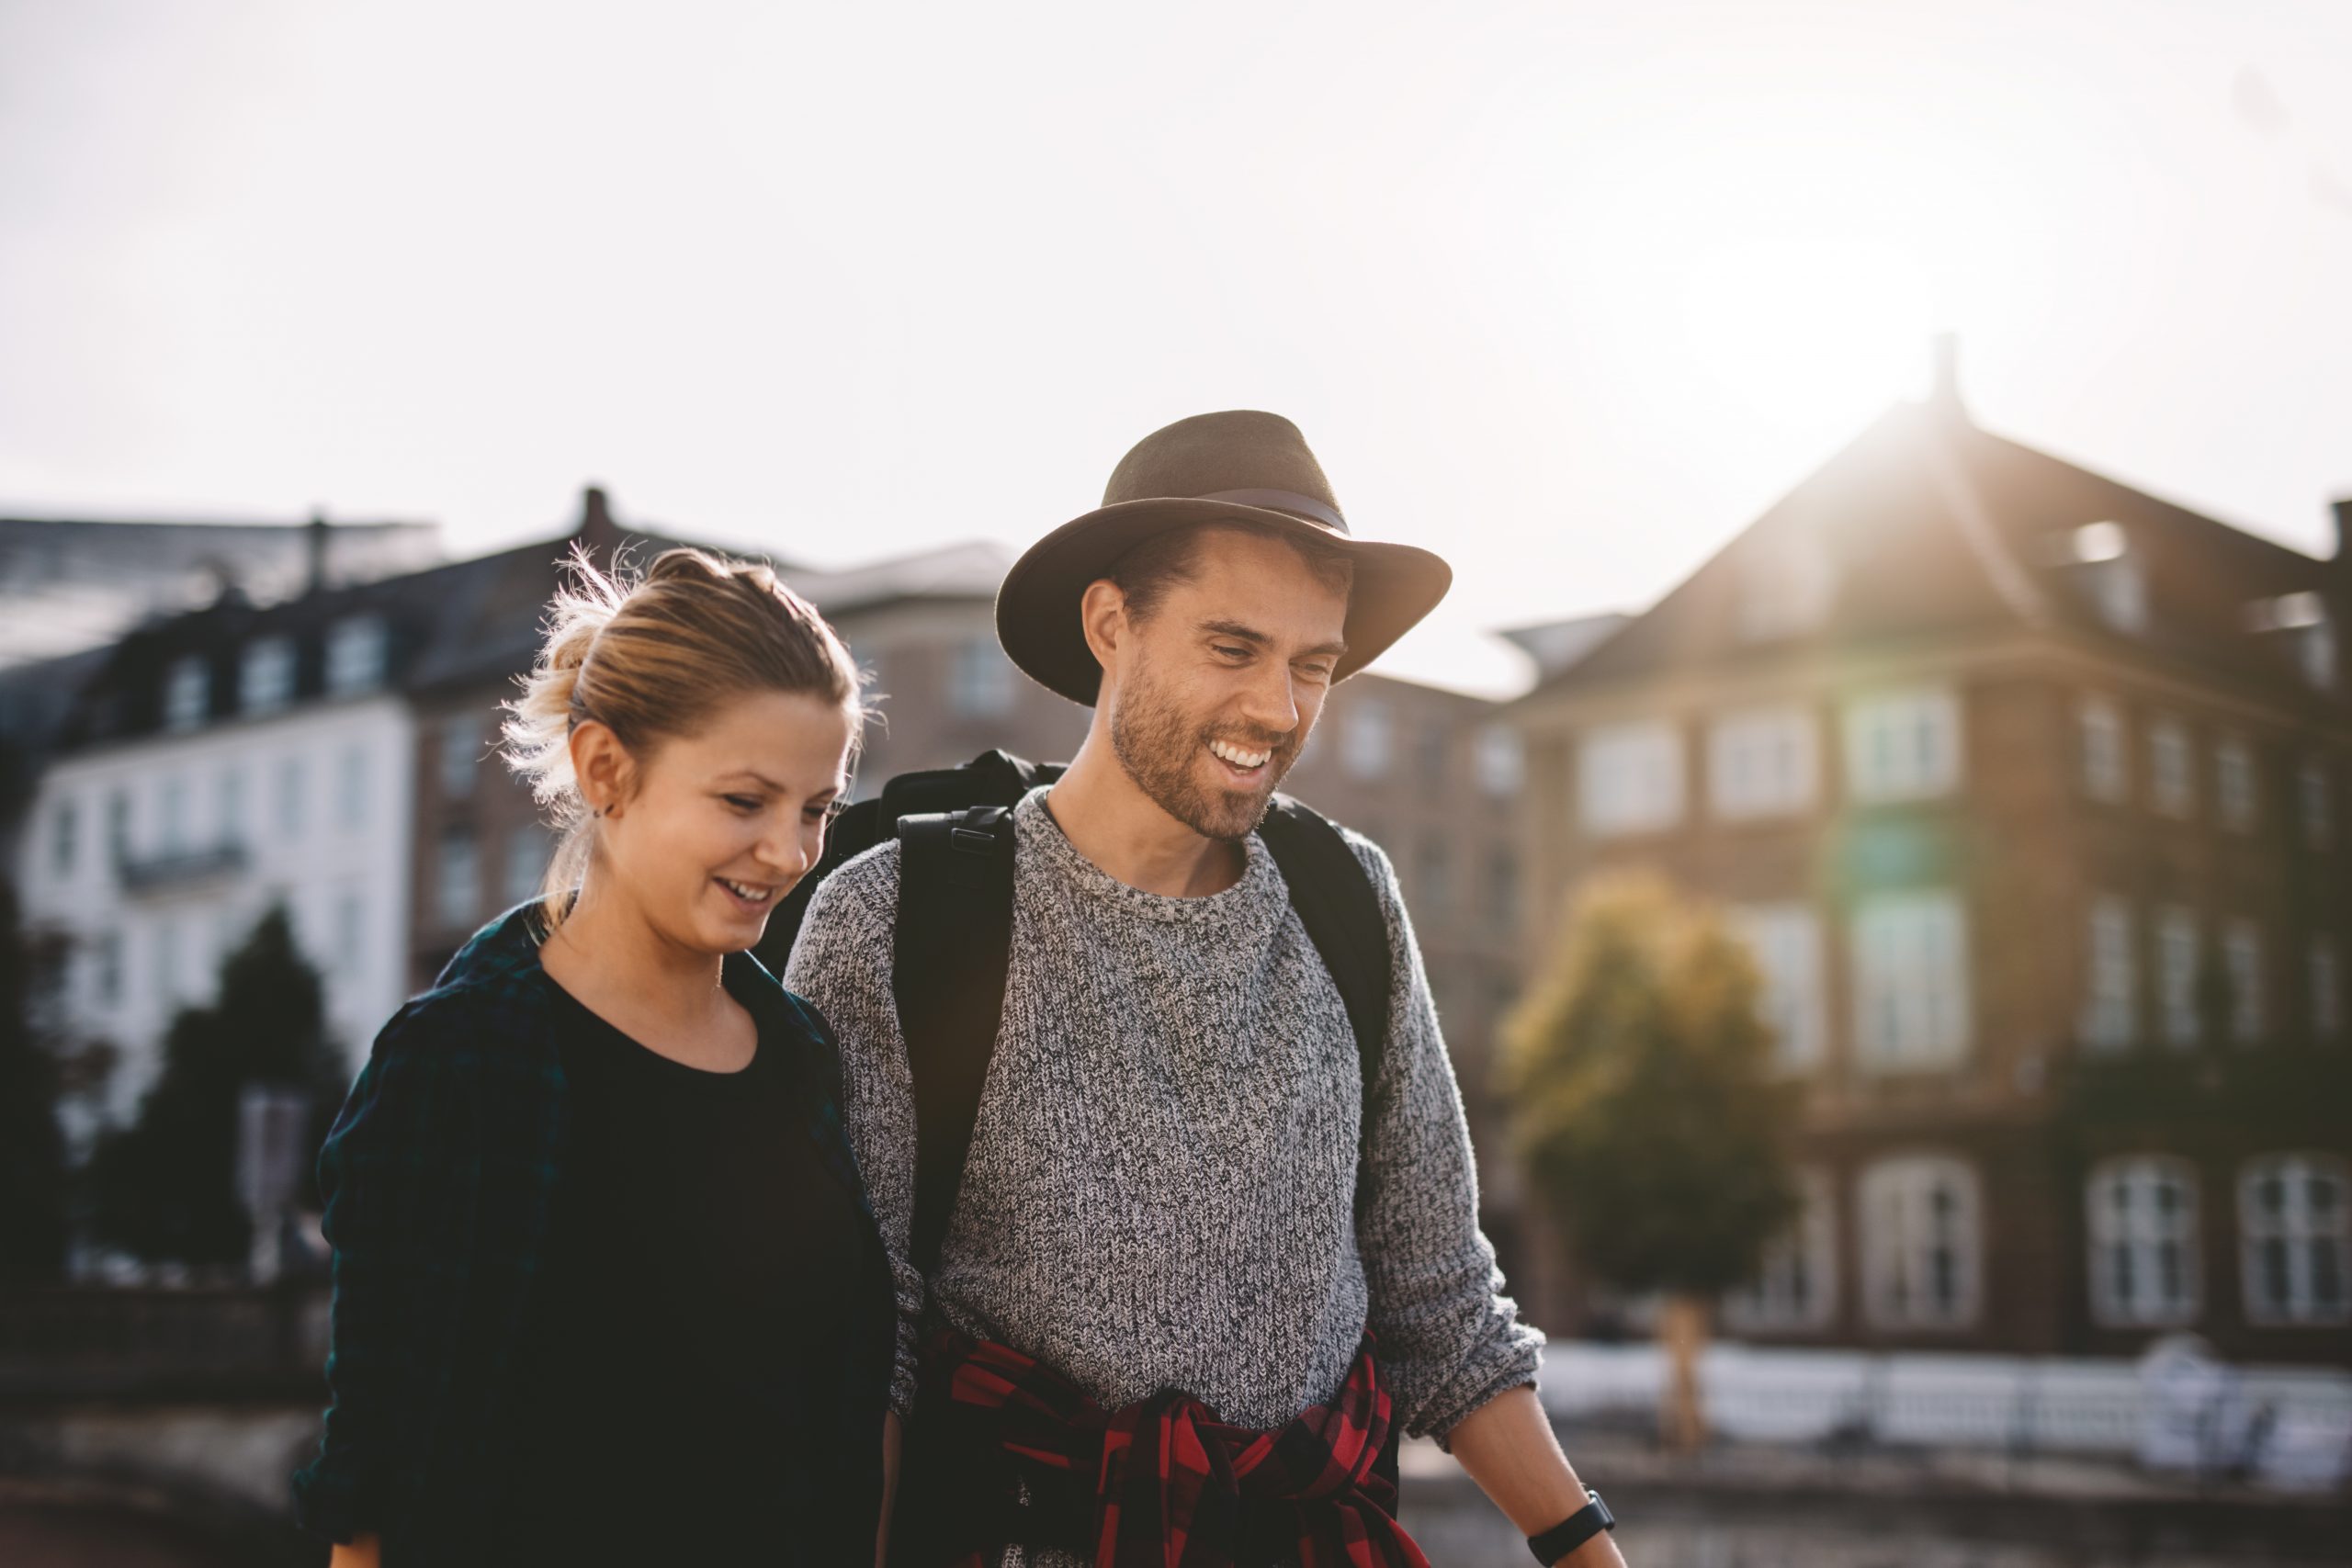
1161,1189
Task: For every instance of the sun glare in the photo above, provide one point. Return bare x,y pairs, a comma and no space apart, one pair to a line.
1825,330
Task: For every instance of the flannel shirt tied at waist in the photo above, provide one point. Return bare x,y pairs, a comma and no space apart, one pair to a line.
1164,1481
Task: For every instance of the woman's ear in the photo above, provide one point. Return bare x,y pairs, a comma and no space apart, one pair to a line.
600,766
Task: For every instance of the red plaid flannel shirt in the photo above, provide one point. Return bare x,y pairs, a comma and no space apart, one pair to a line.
1170,1481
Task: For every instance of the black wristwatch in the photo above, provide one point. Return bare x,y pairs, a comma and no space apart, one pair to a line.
1572,1531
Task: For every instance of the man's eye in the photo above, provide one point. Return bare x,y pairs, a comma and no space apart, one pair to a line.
746,803
1229,651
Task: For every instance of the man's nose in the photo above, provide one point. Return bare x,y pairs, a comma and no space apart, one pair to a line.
1270,701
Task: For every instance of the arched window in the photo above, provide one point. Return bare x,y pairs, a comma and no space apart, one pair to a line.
1796,1286
1922,1243
2295,1233
2144,1256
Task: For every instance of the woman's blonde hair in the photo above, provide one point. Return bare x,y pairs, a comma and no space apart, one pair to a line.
650,656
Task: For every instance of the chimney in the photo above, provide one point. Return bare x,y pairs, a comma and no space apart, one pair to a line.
1943,392
315,544
598,530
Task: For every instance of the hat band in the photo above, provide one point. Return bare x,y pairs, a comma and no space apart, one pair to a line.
1305,506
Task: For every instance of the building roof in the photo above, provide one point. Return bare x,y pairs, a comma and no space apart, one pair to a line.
1926,526
70,585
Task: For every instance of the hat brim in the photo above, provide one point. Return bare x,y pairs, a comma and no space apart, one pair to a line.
1037,616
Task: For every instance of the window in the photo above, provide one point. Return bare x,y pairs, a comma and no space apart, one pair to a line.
167,963
2316,798
2241,967
458,882
1433,754
64,832
980,682
1436,879
2111,1011
2142,1215
119,827
229,808
2234,784
2170,787
1501,764
171,811
1921,1246
1796,1288
351,788
1502,885
2315,654
1761,763
2119,591
2295,1236
1785,589
266,681
355,655
526,864
187,692
1786,941
350,933
2327,988
461,747
1903,745
108,953
1364,739
1911,1000
1630,777
292,786
2101,729
2176,975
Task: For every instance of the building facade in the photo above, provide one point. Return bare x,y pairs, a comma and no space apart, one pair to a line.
2028,793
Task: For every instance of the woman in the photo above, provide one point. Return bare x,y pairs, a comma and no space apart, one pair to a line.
607,1288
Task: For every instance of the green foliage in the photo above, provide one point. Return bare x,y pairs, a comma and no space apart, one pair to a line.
166,1185
32,1155
1646,1106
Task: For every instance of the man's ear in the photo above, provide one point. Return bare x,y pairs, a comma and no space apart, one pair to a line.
1102,615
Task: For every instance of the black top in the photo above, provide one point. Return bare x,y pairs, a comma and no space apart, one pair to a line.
712,1319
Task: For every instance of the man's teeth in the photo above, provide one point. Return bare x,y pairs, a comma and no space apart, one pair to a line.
1237,757
746,892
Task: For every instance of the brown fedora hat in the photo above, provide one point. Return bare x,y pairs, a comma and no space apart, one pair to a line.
1237,466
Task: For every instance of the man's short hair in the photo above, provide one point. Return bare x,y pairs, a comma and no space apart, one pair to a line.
1146,572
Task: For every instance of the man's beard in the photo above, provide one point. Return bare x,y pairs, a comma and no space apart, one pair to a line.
1159,748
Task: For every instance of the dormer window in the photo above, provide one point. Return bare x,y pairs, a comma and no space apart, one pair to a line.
267,680
2302,619
2112,575
355,655
187,692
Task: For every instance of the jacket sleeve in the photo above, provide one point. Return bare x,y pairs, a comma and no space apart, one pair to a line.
399,1174
842,963
1448,1339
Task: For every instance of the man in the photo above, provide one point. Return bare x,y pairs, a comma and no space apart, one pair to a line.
1163,1248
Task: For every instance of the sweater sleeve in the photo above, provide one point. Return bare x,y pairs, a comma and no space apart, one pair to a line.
1448,1339
842,963
399,1173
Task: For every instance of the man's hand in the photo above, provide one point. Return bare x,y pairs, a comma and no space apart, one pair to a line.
1507,1446
364,1552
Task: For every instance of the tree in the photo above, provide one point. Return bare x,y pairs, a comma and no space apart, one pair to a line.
32,1152
1647,1114
166,1185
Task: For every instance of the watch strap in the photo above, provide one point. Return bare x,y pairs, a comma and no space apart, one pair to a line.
1572,1531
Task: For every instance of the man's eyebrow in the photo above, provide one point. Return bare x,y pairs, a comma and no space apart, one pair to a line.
1240,633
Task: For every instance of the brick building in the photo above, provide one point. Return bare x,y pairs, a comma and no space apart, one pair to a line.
2029,791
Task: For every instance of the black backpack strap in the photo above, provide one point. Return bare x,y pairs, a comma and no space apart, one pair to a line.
1341,909
954,941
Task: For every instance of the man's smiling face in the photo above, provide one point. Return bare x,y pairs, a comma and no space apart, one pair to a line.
1216,688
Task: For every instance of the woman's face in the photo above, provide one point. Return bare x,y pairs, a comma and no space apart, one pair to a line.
715,827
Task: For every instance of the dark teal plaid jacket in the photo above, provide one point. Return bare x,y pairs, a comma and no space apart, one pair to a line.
439,1178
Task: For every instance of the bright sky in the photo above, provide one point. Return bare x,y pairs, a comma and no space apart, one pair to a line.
1567,291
